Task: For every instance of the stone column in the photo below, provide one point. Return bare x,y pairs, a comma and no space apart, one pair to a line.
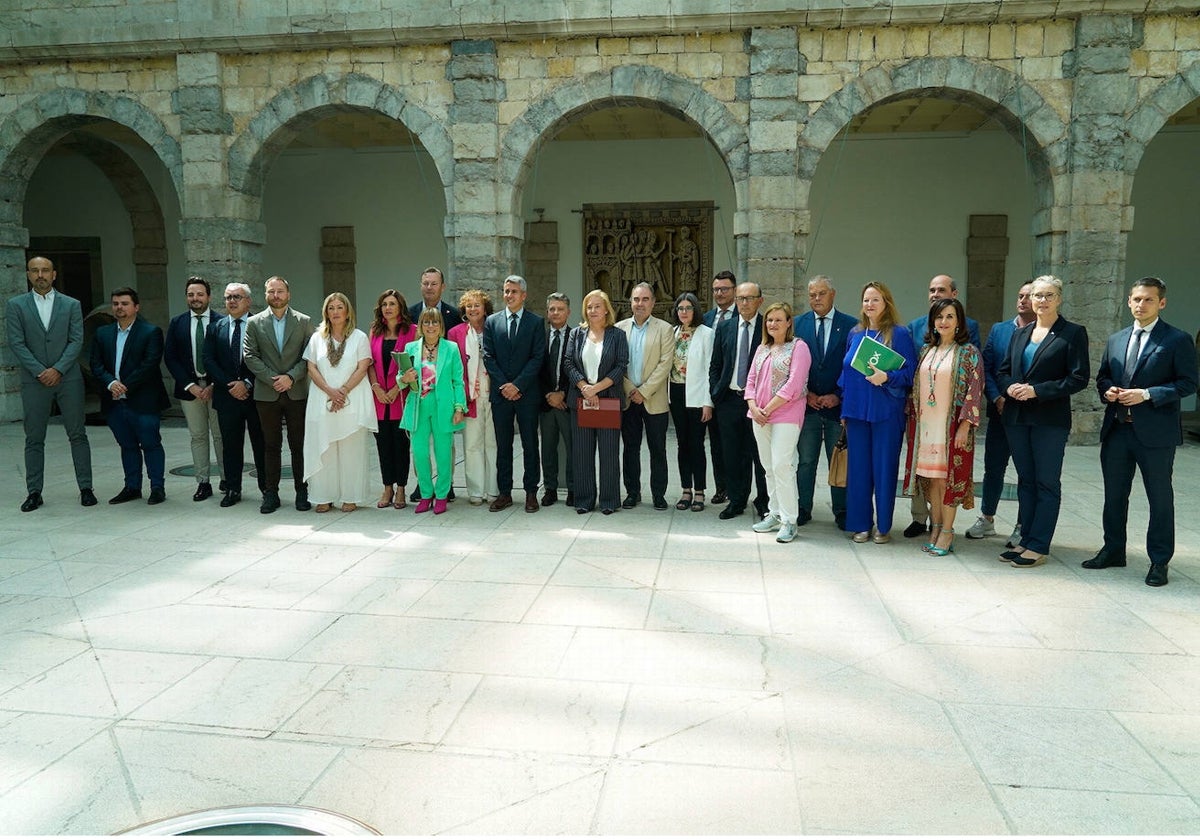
222,236
339,257
483,244
541,260
1099,209
14,239
773,219
987,254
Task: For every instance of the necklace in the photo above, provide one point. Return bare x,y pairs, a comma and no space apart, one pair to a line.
334,349
935,364
430,352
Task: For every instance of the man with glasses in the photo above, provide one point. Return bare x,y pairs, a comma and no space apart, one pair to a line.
723,310
233,392
733,351
996,454
651,352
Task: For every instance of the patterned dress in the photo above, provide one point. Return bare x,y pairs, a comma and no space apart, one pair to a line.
962,404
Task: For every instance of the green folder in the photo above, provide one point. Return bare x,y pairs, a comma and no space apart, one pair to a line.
877,353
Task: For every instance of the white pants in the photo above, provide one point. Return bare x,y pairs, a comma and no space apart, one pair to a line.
202,421
479,452
777,452
343,475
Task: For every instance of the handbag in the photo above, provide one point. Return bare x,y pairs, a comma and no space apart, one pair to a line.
607,415
837,462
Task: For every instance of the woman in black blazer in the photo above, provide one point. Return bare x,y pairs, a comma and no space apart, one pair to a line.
1047,362
595,362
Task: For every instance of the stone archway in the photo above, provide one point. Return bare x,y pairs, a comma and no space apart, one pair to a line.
1000,94
1155,109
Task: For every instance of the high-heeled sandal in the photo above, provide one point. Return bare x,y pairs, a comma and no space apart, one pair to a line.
400,503
938,551
698,502
685,500
935,532
385,498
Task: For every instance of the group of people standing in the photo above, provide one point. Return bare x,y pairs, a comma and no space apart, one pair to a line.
768,388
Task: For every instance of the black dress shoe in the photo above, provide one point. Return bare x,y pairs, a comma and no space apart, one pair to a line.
762,509
1157,576
608,511
158,495
915,529
1103,559
32,502
840,521
231,498
720,497
660,503
127,494
803,518
582,511
1009,555
270,502
731,512
570,499
416,495
631,501
87,498
302,502
550,497
223,486
203,491
450,497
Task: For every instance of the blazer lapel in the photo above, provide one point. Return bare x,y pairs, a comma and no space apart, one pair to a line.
1148,349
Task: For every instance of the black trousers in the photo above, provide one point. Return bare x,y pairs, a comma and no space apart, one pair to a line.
1120,454
634,420
524,415
272,416
689,435
236,421
395,452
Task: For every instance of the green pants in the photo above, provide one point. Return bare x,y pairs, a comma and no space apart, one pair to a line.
443,450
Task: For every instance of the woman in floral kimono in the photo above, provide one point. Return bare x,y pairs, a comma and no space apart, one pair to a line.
943,415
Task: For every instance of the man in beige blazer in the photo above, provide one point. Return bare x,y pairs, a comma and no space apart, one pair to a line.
651,353
274,346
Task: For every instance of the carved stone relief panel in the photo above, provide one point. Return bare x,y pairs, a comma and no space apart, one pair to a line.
669,246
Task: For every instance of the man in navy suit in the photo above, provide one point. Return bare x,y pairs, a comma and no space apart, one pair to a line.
184,354
125,359
514,347
233,393
733,351
1146,370
45,334
996,454
940,287
555,418
433,285
824,330
723,310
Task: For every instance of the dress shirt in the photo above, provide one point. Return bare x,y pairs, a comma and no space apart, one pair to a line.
280,325
45,306
1133,336
637,343
205,321
122,337
739,360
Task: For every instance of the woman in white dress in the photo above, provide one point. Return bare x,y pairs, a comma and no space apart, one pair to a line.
338,421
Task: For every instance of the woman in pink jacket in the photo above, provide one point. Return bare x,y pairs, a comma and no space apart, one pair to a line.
391,329
775,393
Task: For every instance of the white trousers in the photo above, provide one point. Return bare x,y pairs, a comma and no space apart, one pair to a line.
777,452
343,476
202,422
479,452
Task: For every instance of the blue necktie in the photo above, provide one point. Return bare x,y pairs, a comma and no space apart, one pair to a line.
821,339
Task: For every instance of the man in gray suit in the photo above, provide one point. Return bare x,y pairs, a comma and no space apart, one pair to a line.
45,332
274,352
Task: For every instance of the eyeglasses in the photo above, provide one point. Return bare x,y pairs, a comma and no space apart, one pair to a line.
234,297
1043,296
685,309
746,298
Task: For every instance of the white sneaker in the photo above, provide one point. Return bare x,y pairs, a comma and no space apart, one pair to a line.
983,527
768,523
1014,539
786,534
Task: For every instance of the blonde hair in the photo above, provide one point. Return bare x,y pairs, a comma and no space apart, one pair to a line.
890,317
325,327
775,307
435,316
610,314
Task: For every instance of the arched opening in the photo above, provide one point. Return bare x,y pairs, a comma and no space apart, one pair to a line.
622,191
926,184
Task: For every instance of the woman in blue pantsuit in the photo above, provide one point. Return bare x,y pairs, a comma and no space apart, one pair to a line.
873,412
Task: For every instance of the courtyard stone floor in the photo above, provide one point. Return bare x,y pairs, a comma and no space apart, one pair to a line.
645,673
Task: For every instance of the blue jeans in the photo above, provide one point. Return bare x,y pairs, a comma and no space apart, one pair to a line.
1038,454
137,434
815,429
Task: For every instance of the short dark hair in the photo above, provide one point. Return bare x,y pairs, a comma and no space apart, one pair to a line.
725,275
124,291
697,315
1153,283
198,281
961,334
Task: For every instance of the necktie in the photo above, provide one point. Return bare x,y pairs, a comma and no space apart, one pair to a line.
200,345
237,338
1135,349
555,352
743,357
724,316
820,339
512,327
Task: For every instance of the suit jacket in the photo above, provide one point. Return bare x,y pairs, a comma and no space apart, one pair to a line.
711,316
658,352
723,367
549,383
447,388
823,375
140,371
1059,369
994,351
37,348
450,316
223,363
917,327
177,351
614,358
265,360
518,361
1166,368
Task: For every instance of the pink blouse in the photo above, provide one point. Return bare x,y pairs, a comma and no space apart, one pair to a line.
782,374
